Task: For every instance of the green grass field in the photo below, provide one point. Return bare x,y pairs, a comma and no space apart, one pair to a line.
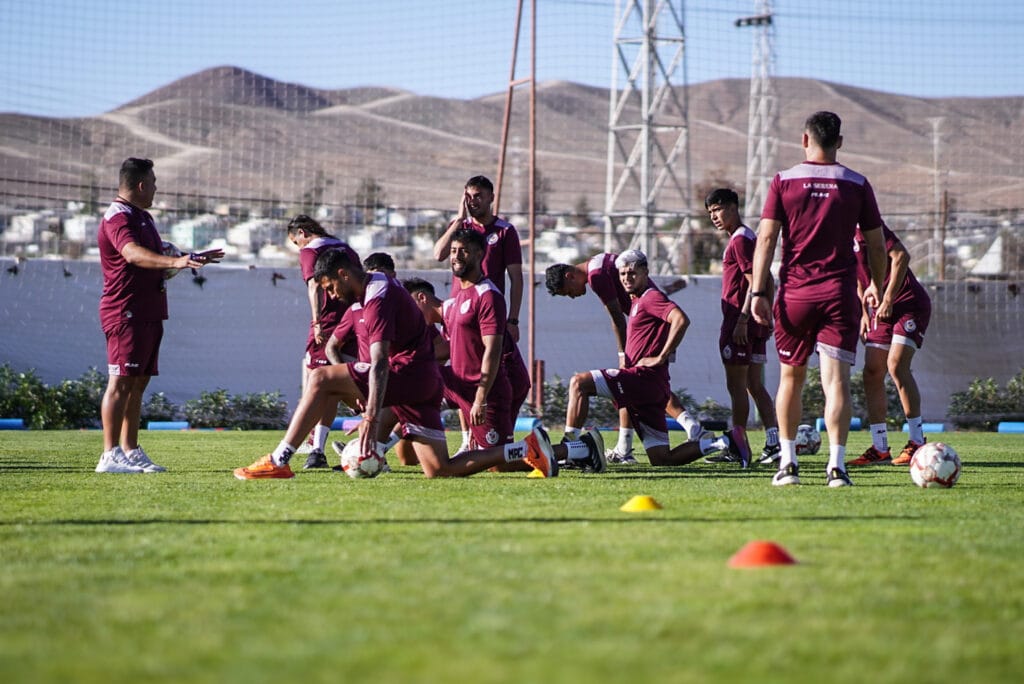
194,576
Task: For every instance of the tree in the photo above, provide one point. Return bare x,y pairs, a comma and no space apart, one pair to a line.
542,190
581,212
314,197
370,196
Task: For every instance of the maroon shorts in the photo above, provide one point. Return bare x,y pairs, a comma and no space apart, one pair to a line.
518,379
499,423
908,325
133,348
754,351
643,392
830,327
413,393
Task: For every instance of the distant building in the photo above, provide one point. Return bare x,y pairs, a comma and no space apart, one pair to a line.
82,228
198,232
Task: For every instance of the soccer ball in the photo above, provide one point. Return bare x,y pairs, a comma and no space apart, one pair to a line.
168,249
808,440
935,465
357,465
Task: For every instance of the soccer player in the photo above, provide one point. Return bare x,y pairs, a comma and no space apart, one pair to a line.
641,385
891,335
816,206
503,257
325,313
600,273
402,373
741,344
133,307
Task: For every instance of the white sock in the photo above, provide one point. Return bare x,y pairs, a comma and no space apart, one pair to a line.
709,445
514,451
320,433
283,453
836,457
572,433
879,437
787,454
771,436
466,436
916,429
577,450
625,443
687,421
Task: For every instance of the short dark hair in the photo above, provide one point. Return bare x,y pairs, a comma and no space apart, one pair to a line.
413,285
721,196
554,278
468,236
824,128
133,171
308,224
330,260
379,261
482,182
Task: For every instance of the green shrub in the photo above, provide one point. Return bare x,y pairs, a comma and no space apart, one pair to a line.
159,408
984,404
71,404
257,411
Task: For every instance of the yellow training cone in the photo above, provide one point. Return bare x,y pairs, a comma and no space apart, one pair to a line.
535,473
640,503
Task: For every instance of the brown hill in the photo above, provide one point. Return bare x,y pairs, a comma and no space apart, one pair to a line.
227,132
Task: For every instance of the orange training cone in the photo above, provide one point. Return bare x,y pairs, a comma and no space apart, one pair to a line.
756,554
640,503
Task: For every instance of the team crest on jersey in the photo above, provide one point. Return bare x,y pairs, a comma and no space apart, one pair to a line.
465,306
910,326
727,352
492,238
856,246
491,436
113,369
362,367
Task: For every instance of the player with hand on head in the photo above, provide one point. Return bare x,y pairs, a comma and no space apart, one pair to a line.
891,334
741,343
503,257
402,373
655,328
599,272
816,207
133,307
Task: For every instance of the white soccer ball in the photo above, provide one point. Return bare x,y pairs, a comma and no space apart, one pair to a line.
170,250
935,465
358,465
808,440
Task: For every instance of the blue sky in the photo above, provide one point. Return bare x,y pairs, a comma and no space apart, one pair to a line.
83,57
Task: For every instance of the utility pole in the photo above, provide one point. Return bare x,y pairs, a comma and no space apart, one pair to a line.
938,260
762,141
648,172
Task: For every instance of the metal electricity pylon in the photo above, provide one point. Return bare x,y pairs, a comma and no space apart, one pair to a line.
648,177
762,140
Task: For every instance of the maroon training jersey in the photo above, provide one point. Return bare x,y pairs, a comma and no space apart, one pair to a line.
129,292
352,343
647,328
737,264
329,310
390,314
469,315
503,248
603,278
911,291
819,206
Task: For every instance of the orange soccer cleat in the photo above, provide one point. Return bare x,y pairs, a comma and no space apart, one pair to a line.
264,469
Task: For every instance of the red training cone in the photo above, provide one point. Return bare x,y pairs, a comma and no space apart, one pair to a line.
760,553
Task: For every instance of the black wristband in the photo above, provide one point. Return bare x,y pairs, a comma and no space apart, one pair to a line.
513,321
759,293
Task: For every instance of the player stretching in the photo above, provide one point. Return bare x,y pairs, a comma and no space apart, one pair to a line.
741,344
563,280
816,205
891,335
656,327
325,313
402,373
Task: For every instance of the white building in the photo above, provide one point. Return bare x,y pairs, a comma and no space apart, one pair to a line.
82,228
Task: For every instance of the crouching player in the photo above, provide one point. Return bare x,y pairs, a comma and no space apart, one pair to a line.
402,373
655,328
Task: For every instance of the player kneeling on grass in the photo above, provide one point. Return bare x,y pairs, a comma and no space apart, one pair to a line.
402,373
655,328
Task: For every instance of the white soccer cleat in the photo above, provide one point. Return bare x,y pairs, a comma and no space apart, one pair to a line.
139,458
115,461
